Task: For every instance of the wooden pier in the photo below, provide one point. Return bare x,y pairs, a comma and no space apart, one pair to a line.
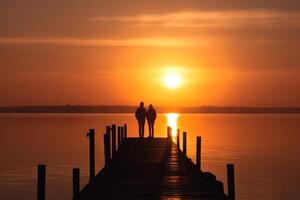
149,168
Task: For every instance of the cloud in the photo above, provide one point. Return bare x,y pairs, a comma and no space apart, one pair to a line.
160,42
205,42
207,19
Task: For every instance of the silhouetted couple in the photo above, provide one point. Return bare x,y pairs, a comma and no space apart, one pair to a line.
141,115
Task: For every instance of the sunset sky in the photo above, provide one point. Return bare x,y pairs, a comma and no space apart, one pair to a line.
92,52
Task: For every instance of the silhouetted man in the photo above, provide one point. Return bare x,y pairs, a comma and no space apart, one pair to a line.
151,116
140,115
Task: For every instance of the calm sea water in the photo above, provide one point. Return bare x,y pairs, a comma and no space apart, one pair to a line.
264,148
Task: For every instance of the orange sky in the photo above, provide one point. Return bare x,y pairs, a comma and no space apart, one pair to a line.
116,52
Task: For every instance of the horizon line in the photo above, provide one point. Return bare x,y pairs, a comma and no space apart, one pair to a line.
160,109
161,106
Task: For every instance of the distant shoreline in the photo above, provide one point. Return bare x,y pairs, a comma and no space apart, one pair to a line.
131,109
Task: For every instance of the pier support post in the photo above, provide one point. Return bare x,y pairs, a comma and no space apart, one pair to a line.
184,143
169,132
178,138
107,148
76,183
125,130
170,135
108,129
122,134
41,183
91,136
113,140
198,154
119,137
230,181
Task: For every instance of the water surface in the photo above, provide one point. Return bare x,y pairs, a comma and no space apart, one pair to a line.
264,148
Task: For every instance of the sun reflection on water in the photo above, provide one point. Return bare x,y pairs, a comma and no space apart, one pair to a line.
172,122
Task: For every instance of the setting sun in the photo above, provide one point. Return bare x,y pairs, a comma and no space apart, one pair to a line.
172,80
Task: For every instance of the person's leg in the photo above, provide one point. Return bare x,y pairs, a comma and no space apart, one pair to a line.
149,128
140,129
152,126
143,129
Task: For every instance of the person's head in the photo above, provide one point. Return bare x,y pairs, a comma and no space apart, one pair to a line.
142,104
150,106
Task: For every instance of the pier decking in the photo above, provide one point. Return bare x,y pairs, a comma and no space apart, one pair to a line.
152,169
147,168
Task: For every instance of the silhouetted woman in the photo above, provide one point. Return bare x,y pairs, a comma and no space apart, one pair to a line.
140,115
151,116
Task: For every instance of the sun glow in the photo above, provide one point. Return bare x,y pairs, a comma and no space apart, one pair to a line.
172,122
172,80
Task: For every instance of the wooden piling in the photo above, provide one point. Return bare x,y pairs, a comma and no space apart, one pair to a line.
119,137
107,129
170,137
169,132
122,134
184,143
41,183
113,140
230,181
198,154
178,138
125,130
76,183
91,136
107,148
